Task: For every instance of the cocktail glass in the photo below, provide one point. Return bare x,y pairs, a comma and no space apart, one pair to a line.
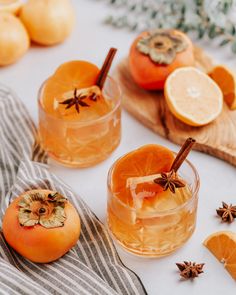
82,143
154,226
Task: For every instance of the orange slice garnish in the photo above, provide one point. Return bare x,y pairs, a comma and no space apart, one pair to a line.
226,80
223,246
148,160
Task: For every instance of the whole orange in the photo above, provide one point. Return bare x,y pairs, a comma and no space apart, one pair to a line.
48,21
38,229
14,40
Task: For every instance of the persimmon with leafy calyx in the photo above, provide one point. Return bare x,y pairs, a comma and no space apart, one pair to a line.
48,21
14,39
156,54
41,225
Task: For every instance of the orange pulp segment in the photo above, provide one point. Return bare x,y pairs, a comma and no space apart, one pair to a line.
193,97
61,86
226,80
223,246
147,160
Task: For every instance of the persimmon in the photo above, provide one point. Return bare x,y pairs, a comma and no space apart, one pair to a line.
48,21
156,54
41,225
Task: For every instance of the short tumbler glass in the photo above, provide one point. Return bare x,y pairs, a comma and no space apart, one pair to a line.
162,232
82,144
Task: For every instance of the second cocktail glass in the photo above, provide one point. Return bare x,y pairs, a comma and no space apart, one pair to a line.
142,217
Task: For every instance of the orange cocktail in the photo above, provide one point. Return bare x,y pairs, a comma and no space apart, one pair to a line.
79,123
151,211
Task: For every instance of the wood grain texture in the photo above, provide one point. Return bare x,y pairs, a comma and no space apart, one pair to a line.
217,138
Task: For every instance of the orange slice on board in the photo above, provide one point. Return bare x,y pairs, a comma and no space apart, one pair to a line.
59,87
147,160
193,97
222,245
12,6
226,80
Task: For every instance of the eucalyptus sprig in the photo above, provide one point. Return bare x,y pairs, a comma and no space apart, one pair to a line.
207,18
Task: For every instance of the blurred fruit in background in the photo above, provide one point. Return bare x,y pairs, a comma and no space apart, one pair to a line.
12,6
14,39
48,21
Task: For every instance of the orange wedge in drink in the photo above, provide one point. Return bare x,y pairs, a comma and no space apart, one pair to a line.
148,160
193,97
73,75
226,80
223,246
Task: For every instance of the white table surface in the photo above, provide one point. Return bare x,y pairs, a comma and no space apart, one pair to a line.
91,40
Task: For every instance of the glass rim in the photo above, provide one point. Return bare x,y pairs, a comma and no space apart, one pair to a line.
83,123
163,212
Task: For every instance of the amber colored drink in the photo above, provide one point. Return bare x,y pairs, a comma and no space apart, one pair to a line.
80,139
144,219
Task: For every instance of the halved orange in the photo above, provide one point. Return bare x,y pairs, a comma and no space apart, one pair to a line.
222,245
12,6
226,80
193,97
147,160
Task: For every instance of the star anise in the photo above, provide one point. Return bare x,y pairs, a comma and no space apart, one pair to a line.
227,212
77,101
169,181
190,270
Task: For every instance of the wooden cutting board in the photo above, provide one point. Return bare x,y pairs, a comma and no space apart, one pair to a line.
217,139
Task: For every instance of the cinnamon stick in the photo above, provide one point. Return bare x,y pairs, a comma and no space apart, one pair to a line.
105,68
183,153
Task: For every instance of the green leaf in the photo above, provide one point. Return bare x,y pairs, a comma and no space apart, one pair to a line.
133,27
108,20
201,32
224,42
233,47
233,30
185,28
227,4
132,7
212,31
225,8
154,13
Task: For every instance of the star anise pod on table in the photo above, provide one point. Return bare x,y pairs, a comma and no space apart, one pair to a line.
76,100
169,181
227,212
190,270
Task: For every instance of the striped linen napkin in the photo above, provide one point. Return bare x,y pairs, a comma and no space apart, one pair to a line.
93,265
